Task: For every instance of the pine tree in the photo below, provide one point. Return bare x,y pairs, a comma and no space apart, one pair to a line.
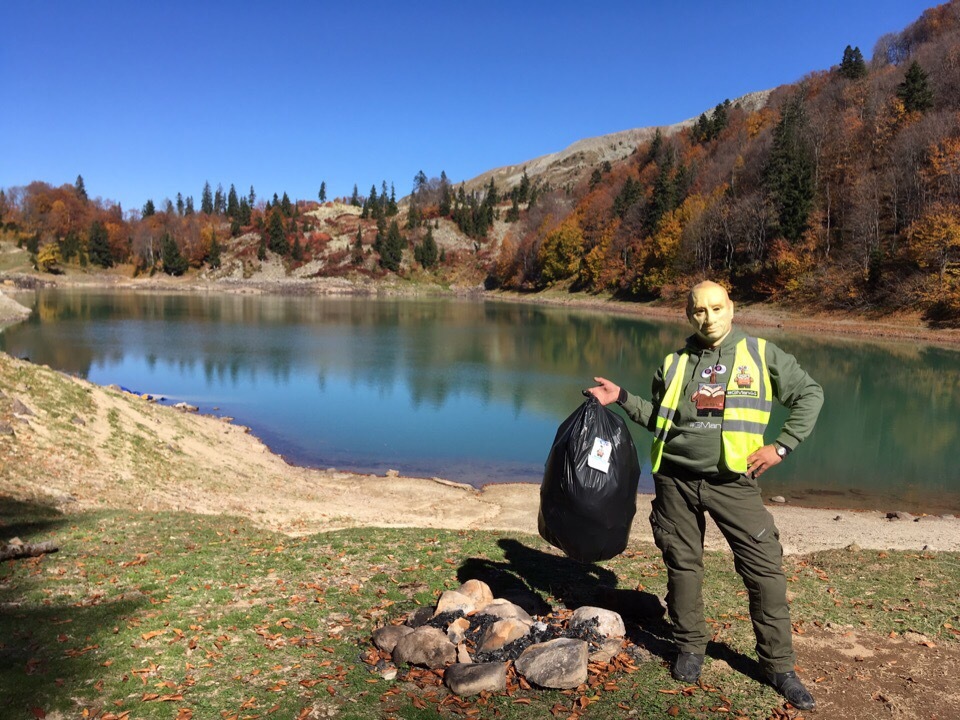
98,245
213,257
174,263
789,175
219,203
262,249
148,209
523,189
179,204
392,208
80,188
391,249
852,65
285,206
426,252
233,203
357,255
323,191
297,252
915,90
252,198
206,199
446,199
276,233
355,198
188,207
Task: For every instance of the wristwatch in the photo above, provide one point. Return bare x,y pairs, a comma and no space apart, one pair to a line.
782,450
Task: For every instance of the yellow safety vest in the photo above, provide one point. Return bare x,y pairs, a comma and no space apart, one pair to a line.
746,409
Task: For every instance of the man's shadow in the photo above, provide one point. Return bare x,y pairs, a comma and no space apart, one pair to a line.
534,579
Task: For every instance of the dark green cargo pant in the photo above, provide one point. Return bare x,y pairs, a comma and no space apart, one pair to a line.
678,529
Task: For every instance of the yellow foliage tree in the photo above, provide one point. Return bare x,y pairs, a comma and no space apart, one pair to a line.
49,259
561,250
933,240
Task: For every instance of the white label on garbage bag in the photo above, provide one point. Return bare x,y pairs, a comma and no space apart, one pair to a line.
600,455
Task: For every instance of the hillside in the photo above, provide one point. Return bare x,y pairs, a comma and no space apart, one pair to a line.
573,165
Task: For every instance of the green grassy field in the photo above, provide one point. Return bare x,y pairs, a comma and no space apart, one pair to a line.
178,615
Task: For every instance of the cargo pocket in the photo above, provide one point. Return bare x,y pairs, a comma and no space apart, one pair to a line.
663,531
765,532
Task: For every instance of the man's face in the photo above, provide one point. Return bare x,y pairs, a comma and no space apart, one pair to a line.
710,313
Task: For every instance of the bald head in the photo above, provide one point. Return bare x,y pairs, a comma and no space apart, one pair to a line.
710,312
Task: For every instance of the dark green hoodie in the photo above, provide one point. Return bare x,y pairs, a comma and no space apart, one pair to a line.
694,442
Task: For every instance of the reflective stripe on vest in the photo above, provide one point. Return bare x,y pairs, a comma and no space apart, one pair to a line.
746,410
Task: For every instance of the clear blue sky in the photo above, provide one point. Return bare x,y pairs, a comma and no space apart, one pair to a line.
147,99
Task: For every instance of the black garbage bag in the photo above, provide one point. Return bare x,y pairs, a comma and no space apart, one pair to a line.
589,493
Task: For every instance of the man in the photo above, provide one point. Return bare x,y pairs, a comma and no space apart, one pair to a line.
711,403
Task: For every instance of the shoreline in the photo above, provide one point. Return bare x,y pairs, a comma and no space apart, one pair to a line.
861,325
73,446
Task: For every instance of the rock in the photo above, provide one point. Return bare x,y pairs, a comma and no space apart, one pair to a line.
947,516
463,656
389,673
418,617
453,600
393,473
474,679
899,515
186,407
457,630
77,420
608,648
478,591
386,638
426,646
20,409
927,518
6,429
506,610
853,547
838,517
560,663
501,633
609,623
778,499
929,548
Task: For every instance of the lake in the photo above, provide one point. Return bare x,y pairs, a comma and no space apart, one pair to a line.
473,391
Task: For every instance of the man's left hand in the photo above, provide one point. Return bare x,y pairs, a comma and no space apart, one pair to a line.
759,461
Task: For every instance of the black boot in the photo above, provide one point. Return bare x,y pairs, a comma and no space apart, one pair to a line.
686,667
789,685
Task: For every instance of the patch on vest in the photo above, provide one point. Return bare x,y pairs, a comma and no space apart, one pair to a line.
743,378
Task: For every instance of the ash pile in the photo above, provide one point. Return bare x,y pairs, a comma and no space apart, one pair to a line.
475,641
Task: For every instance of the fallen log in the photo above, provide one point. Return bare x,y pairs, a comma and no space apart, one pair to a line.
21,550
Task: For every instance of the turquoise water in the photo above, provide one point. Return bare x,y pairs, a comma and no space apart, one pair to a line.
474,391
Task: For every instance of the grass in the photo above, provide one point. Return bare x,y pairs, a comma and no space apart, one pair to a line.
175,615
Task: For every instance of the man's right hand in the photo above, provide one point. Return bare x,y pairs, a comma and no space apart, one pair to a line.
605,391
